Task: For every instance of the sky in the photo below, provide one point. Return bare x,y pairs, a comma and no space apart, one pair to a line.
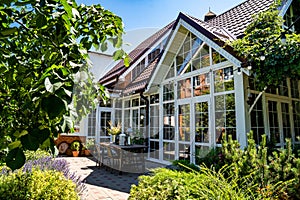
139,14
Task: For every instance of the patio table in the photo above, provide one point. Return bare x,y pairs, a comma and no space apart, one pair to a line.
131,156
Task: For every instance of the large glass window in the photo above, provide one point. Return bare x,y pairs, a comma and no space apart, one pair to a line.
92,123
225,120
224,79
294,88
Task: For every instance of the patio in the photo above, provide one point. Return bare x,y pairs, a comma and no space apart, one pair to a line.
101,183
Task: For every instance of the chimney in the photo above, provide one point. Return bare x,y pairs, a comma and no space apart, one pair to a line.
209,15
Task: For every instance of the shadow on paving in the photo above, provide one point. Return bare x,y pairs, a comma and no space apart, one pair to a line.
105,178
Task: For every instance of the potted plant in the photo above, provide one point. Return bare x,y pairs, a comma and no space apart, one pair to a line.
88,146
75,146
114,130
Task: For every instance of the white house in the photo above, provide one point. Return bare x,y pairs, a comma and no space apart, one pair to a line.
182,89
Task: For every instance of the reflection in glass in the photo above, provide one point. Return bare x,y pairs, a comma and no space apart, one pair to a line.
201,84
184,88
224,79
184,122
201,122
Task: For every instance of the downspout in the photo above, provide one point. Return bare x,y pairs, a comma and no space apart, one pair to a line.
147,117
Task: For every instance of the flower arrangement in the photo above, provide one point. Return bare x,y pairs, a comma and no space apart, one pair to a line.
114,130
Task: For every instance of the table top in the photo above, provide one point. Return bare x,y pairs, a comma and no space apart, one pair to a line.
133,146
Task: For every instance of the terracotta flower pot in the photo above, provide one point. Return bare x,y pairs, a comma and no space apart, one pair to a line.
75,153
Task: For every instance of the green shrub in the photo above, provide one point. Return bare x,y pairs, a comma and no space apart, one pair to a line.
206,184
34,155
37,185
276,172
185,165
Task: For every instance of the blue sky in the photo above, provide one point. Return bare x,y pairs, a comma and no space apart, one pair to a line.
138,14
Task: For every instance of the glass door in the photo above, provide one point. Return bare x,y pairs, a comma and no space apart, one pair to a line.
201,126
104,118
279,121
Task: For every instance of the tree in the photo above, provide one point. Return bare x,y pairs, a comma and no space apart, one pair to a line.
45,82
262,39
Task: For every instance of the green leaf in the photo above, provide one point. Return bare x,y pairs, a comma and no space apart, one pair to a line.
53,106
30,142
127,61
67,8
15,159
118,54
14,145
8,31
41,21
19,134
104,46
48,85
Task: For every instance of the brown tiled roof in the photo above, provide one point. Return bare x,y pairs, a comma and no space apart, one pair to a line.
141,81
119,69
227,26
238,18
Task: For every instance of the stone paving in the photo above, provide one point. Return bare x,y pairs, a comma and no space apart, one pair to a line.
102,184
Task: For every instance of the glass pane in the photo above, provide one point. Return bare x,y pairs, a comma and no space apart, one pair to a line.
169,121
296,115
184,152
201,122
169,151
184,88
168,92
257,121
204,55
184,122
154,149
200,152
286,120
283,89
126,119
273,122
225,120
216,57
105,118
154,122
201,84
224,79
295,88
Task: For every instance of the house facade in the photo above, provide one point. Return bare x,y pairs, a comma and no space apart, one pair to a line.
184,89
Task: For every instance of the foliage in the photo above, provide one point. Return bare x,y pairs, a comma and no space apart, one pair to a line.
185,165
44,64
46,164
75,146
262,37
34,155
275,173
114,130
37,185
206,184
214,158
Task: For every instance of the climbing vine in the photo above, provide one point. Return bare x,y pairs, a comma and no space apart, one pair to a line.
262,39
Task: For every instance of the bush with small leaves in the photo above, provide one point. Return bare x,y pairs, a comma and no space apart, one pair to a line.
37,184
